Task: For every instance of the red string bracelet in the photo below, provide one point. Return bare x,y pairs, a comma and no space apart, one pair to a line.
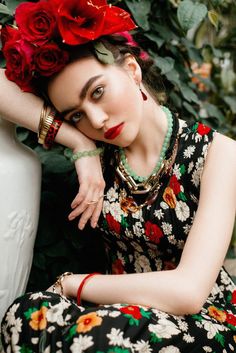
82,285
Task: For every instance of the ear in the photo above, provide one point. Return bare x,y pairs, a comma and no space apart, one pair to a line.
133,68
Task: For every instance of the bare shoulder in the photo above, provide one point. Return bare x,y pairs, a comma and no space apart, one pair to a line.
220,167
223,149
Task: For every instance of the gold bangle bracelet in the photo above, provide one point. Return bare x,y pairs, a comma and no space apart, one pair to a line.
59,282
47,120
42,117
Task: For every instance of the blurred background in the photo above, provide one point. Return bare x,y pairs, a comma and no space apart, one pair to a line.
193,45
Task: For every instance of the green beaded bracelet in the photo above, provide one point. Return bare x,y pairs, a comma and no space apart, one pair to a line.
90,153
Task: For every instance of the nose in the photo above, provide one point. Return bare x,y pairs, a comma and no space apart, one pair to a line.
97,117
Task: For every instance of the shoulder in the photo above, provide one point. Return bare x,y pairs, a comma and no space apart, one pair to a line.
220,165
224,144
222,152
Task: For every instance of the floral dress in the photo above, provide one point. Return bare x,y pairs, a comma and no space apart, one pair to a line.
137,239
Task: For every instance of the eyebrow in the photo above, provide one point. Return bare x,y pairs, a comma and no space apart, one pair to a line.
83,92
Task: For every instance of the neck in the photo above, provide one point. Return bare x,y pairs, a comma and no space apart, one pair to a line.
143,153
154,128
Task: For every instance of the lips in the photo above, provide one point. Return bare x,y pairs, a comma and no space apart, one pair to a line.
113,132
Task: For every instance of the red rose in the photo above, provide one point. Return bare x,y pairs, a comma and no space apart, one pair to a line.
117,267
9,33
174,184
113,224
80,21
50,59
233,301
203,129
231,319
153,232
36,21
132,310
19,67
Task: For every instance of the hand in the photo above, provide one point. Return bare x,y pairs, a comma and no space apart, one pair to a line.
91,189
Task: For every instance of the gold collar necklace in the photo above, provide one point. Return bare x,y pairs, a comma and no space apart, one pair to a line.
152,182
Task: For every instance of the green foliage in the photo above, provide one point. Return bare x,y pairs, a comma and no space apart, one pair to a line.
190,14
177,35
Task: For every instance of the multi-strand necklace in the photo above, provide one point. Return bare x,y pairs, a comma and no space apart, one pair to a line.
162,153
151,183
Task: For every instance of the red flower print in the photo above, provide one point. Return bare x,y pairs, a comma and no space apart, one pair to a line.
113,224
174,184
132,310
217,314
117,267
169,265
233,300
231,319
153,232
203,129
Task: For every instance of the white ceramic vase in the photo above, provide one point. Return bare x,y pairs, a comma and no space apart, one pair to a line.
20,184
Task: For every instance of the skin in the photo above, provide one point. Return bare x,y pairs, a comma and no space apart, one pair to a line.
26,112
172,291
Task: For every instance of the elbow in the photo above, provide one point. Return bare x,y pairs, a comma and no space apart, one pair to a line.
189,301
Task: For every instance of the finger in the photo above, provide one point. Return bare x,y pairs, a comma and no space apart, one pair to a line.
95,189
85,216
80,197
96,214
80,210
90,200
92,214
83,205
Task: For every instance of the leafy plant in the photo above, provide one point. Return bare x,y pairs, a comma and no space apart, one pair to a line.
193,47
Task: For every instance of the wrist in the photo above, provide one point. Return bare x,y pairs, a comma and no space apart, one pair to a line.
71,284
72,138
82,284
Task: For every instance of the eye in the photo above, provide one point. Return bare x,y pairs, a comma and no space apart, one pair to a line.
98,92
76,117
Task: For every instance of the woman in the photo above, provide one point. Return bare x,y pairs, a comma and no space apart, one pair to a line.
167,219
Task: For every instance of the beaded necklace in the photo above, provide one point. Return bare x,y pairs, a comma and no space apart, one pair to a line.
162,153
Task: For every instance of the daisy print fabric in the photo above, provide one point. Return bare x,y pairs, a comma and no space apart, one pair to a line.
137,239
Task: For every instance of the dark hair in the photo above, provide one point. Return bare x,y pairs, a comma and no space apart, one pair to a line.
118,46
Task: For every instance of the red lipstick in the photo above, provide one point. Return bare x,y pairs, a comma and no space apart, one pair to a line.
113,132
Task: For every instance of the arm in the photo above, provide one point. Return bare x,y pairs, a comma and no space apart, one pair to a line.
24,109
184,289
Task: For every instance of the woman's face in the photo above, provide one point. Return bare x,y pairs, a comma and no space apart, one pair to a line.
103,101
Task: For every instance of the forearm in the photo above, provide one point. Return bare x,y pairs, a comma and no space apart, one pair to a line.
24,109
164,290
18,107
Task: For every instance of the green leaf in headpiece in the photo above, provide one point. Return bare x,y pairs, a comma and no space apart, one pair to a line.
103,54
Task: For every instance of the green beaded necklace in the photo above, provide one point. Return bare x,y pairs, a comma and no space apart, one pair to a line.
162,154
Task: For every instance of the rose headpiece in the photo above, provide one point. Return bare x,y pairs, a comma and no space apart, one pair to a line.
36,47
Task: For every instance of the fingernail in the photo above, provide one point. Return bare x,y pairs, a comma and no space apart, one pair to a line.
94,224
71,218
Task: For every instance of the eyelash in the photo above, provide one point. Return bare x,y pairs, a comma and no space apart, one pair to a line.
98,90
77,116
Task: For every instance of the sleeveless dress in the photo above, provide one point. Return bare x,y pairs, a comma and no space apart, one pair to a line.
137,239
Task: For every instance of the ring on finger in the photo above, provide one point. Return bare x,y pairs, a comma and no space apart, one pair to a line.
92,202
